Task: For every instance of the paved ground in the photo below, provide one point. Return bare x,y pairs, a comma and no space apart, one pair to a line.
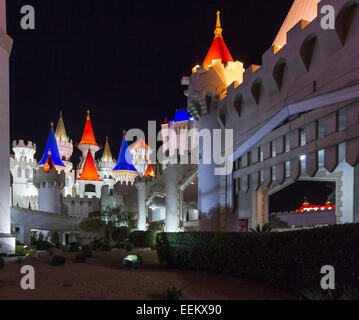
104,277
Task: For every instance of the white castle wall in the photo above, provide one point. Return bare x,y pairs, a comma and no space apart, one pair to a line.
80,206
7,243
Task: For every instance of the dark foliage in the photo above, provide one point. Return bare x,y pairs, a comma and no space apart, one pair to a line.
288,260
87,251
143,238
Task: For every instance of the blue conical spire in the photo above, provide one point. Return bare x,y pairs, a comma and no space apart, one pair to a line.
51,146
124,161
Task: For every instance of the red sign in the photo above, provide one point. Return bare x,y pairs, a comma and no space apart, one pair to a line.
243,225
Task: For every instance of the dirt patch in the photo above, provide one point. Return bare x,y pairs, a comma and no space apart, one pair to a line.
105,277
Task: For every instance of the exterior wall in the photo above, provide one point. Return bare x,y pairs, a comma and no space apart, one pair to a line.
50,199
26,220
7,243
80,206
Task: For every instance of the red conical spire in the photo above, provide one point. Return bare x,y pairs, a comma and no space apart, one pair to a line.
218,48
89,171
88,137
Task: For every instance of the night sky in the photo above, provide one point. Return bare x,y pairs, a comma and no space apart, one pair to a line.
121,59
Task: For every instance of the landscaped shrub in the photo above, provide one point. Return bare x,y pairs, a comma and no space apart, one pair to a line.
74,247
129,247
80,258
289,260
42,245
136,238
20,249
101,244
58,260
172,293
86,250
143,238
55,239
120,234
2,263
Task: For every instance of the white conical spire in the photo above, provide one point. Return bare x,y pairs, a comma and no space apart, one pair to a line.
300,10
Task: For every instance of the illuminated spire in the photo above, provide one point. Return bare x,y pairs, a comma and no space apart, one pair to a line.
107,156
89,171
218,30
51,146
60,132
88,136
218,48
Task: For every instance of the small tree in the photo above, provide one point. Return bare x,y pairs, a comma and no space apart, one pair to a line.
93,224
55,239
119,215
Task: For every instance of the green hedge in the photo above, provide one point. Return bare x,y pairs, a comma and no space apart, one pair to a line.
143,238
288,260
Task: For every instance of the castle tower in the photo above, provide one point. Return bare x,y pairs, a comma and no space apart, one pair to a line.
7,242
50,182
124,171
106,164
89,182
88,141
51,145
217,72
22,165
64,143
207,86
65,146
140,153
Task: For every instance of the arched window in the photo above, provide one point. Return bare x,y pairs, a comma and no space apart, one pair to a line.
19,172
27,172
307,49
345,19
278,72
256,89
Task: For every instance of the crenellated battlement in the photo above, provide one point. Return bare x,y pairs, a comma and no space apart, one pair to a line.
23,144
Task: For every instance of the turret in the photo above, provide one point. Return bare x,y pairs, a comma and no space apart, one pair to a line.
64,143
209,82
88,141
89,182
51,146
22,165
124,171
106,164
50,182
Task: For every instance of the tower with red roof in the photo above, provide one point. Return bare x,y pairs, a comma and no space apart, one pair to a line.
88,141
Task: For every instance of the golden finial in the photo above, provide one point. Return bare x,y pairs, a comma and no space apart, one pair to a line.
218,30
124,132
52,126
60,113
88,114
49,152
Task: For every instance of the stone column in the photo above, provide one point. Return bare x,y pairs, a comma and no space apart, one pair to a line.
350,198
171,199
7,242
141,222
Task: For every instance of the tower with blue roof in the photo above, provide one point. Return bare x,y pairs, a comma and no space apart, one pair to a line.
124,171
52,149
